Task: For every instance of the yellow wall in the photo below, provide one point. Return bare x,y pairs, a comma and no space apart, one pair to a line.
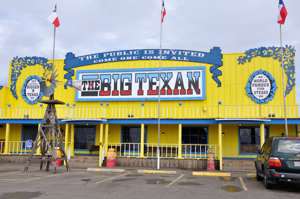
114,134
278,130
169,134
2,132
232,95
15,132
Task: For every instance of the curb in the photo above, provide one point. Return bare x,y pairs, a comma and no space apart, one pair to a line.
251,175
156,172
106,170
212,174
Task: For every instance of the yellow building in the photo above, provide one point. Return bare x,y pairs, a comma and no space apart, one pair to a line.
208,102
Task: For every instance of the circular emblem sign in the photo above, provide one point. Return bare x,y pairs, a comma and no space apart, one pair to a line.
261,87
31,91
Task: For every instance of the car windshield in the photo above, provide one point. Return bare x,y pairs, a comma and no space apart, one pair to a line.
288,146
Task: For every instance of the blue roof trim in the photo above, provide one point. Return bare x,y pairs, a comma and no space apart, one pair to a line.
281,121
293,121
162,121
20,121
83,121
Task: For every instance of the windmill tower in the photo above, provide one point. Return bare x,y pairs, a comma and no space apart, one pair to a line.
49,139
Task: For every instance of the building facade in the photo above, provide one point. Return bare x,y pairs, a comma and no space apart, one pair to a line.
209,102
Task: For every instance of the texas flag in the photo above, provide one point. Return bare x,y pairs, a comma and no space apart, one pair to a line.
282,13
163,11
53,18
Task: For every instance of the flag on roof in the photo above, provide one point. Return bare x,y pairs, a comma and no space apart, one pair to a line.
163,11
282,13
53,18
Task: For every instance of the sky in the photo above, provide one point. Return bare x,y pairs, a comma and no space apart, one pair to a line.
91,26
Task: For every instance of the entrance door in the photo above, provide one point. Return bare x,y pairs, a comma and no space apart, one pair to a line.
29,133
84,141
194,142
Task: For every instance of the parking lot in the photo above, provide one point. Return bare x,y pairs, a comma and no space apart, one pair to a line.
78,183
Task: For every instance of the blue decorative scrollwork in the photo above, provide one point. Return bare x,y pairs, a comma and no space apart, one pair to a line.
275,53
19,63
213,57
273,87
214,69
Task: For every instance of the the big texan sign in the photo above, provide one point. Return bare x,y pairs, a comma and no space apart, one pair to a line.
180,83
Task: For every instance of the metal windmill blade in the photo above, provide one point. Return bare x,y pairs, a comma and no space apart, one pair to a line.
48,85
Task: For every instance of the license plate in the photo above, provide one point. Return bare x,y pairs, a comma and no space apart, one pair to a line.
297,163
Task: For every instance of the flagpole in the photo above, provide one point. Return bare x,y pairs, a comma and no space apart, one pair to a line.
286,132
53,68
158,101
53,51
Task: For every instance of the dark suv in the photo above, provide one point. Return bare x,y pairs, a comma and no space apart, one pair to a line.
279,161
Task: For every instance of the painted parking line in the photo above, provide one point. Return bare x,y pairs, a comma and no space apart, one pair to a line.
175,181
243,183
9,173
111,178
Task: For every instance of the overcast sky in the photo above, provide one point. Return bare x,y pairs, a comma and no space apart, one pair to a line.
91,26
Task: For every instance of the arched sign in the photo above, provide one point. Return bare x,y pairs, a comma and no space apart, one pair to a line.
261,87
31,91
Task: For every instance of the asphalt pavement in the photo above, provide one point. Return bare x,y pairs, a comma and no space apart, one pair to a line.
80,183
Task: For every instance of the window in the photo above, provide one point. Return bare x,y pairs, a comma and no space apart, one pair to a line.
84,137
194,135
249,138
29,132
132,134
131,138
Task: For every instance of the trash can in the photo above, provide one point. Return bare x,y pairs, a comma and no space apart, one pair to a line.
210,161
58,160
111,160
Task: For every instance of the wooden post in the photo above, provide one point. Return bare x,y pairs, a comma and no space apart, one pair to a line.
6,145
101,146
142,140
262,134
179,141
220,146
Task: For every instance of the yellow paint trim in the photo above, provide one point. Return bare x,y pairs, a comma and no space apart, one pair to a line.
101,145
67,138
7,130
211,174
106,139
262,134
72,140
142,140
106,170
156,172
220,146
179,141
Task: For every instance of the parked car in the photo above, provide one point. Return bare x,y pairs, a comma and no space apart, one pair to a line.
278,161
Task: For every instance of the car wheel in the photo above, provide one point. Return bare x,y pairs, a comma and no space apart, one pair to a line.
258,177
267,183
